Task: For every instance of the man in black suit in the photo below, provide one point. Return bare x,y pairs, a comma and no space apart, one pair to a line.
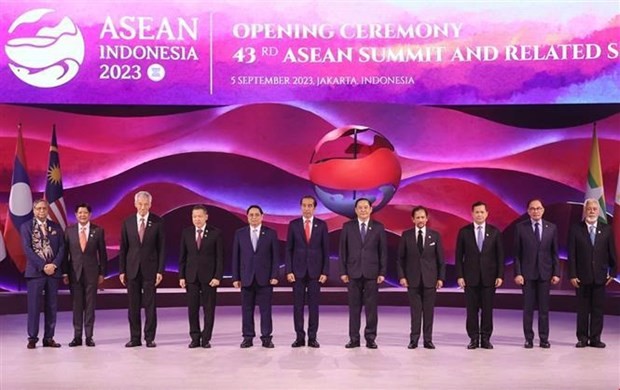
307,266
85,267
141,263
479,264
536,267
255,271
363,265
592,265
201,266
421,268
44,246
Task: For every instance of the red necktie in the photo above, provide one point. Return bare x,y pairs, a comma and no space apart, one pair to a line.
142,229
307,229
199,239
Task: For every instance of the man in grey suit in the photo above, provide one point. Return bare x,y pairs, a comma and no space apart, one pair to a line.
479,264
85,267
421,268
363,265
536,267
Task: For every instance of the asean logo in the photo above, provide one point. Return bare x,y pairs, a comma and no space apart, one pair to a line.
354,162
43,51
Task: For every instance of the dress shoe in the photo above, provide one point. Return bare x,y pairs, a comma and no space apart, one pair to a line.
412,345
151,344
206,344
132,343
298,343
529,344
597,344
473,344
581,344
31,344
352,344
545,345
194,344
486,344
75,342
246,343
371,344
90,342
312,343
51,343
268,344
429,345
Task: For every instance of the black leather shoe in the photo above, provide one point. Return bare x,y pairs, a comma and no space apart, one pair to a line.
298,343
473,344
268,344
51,343
132,343
429,345
194,344
151,344
31,344
206,344
581,344
597,344
90,342
412,345
486,344
352,344
75,342
529,344
371,344
313,344
545,345
246,343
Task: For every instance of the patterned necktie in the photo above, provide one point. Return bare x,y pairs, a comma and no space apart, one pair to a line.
83,238
537,231
43,227
199,238
141,230
592,234
363,231
254,236
307,229
420,241
480,239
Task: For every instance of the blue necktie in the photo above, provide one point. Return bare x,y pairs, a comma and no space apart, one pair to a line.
537,231
592,233
363,231
480,239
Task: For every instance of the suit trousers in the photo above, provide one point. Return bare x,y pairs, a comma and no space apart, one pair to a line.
36,288
590,300
195,292
252,296
536,293
364,292
306,290
84,295
141,292
479,299
422,304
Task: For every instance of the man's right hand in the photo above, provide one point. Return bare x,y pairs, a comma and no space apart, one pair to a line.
121,277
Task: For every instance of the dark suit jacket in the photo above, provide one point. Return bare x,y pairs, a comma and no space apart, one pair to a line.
591,263
528,250
367,259
204,264
35,264
261,265
479,267
93,261
307,257
148,256
427,267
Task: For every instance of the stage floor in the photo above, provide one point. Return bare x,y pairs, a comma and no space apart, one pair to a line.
173,366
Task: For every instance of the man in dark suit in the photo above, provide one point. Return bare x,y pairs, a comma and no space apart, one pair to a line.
141,263
307,267
255,271
421,268
535,268
363,265
201,266
44,247
479,265
592,265
85,267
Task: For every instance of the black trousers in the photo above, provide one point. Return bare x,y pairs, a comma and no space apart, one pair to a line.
195,292
141,292
306,290
479,300
590,299
362,292
422,305
536,294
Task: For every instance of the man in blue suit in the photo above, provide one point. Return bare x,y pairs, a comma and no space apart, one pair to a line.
307,266
255,271
536,267
44,246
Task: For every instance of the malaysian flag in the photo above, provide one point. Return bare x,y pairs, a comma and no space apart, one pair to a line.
20,205
53,186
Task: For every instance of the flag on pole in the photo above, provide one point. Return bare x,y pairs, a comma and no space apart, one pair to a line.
616,226
53,185
595,178
20,205
2,249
